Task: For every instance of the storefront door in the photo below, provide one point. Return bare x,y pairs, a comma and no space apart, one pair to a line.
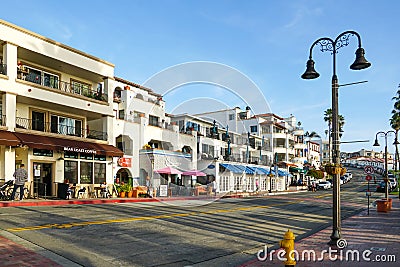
42,178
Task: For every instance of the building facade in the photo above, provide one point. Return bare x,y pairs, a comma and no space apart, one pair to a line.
56,112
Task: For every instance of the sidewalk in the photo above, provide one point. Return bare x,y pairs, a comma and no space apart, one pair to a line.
377,235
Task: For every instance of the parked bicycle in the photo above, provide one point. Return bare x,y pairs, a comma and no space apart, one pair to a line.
4,190
7,188
26,193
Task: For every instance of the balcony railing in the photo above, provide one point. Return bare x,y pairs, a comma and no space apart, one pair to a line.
3,120
53,82
3,69
37,125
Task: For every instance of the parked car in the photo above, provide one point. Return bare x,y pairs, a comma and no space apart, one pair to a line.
349,175
393,183
381,187
324,185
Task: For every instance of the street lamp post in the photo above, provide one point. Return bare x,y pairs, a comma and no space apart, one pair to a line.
327,44
386,179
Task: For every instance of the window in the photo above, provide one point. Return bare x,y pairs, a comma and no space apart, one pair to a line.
100,157
85,156
253,129
71,171
153,120
42,152
38,121
81,88
117,93
66,126
121,114
86,172
70,155
99,173
231,117
41,77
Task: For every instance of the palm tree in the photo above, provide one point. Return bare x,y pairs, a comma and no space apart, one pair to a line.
395,123
328,118
311,136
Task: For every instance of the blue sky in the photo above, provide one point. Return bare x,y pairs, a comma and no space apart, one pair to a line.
267,41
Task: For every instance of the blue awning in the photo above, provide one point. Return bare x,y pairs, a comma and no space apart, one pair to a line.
232,168
265,171
283,173
245,169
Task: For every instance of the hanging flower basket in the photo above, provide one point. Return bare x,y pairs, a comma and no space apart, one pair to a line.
334,169
343,171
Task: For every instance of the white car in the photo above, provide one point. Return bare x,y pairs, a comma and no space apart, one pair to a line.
324,185
392,183
349,175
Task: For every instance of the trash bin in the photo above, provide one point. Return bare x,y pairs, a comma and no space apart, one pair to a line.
62,190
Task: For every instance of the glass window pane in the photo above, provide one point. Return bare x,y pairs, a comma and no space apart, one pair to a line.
86,172
99,173
37,121
71,171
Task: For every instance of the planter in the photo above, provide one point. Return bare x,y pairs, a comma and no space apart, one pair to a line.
130,193
333,170
382,205
390,203
122,194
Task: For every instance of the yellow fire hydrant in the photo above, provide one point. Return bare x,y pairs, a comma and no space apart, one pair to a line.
288,244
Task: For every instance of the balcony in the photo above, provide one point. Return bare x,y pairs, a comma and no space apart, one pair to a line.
29,124
53,83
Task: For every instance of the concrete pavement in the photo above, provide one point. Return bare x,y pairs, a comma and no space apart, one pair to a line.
367,240
375,235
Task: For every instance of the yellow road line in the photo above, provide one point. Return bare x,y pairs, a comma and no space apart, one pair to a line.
143,218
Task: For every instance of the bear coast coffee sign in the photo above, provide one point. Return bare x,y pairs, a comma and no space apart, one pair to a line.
80,150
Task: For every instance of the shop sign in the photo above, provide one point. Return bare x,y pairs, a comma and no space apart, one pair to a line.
80,150
125,162
163,190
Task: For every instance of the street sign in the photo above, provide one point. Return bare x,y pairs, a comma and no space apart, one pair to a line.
369,169
368,177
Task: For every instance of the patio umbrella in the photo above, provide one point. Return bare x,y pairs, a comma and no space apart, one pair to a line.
168,170
194,173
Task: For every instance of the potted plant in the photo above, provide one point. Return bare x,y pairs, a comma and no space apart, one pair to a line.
125,189
118,187
333,169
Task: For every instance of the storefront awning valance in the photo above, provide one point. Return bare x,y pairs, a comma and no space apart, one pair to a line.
60,144
8,139
294,169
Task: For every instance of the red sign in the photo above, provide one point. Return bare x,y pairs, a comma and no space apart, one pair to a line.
125,162
368,177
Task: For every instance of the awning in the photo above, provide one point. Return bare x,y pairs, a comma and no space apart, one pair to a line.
231,168
246,169
299,170
8,139
60,144
194,173
168,170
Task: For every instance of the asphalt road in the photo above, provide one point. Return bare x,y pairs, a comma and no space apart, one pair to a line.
226,232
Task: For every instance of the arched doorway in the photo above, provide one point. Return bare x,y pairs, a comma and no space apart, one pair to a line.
123,175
